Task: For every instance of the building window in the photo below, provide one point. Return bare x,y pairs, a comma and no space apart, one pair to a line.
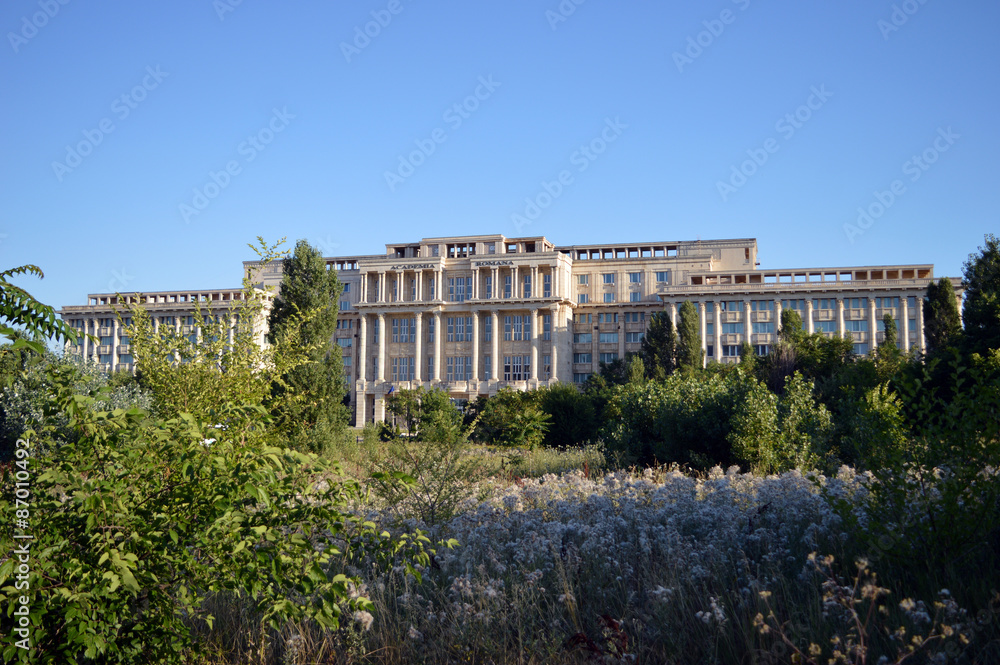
526,290
761,349
663,277
506,328
546,367
547,285
797,305
825,326
488,329
635,317
762,327
609,297
434,250
489,286
430,329
345,342
635,278
880,325
432,288
634,337
607,318
608,358
456,288
347,361
608,338
580,377
730,351
861,303
761,305
582,318
413,289
518,328
491,248
583,298
516,368
856,326
487,367
508,280
402,369
430,367
583,280
731,305
861,349
608,278
451,329
634,296
547,327
824,303
582,358
887,303
583,338
709,351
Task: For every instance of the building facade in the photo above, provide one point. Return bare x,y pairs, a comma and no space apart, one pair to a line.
474,314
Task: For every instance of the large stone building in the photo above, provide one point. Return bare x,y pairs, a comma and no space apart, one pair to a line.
473,314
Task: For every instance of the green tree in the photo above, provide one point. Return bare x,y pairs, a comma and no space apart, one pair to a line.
981,311
887,355
428,414
308,285
659,346
573,419
512,418
942,325
689,352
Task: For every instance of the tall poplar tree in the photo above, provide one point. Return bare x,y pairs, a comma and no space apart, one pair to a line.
689,351
981,312
317,413
659,346
942,325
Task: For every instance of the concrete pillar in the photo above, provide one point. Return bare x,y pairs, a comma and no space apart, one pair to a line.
419,274
515,290
535,323
555,294
809,316
777,317
438,288
904,322
554,345
872,325
495,345
703,331
114,344
438,335
382,334
380,296
363,296
86,342
363,348
494,286
418,349
536,288
841,328
672,309
920,324
475,345
747,323
717,347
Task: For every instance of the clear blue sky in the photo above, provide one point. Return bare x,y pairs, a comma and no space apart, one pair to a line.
183,86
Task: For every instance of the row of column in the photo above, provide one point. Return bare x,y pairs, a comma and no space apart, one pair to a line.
439,332
477,292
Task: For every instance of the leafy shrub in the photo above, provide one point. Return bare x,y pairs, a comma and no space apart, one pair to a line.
510,418
137,521
573,420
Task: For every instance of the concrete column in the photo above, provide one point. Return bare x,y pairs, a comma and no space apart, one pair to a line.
920,324
809,316
382,334
904,322
380,297
363,348
363,296
515,291
672,309
555,294
872,325
438,287
717,347
703,331
747,323
114,344
438,335
777,317
420,285
554,343
841,328
536,288
535,322
621,339
86,342
418,349
494,286
475,342
495,345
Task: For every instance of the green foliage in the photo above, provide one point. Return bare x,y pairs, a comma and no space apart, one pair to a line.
659,346
573,419
689,352
137,521
19,308
942,326
308,301
428,414
981,311
511,418
201,373
877,429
